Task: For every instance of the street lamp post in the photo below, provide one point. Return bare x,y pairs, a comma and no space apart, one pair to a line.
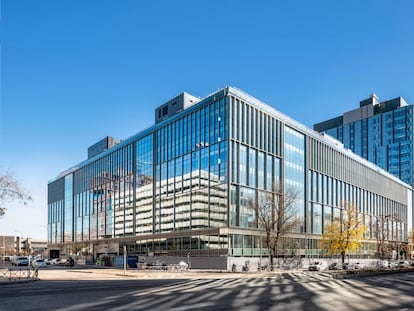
125,258
4,247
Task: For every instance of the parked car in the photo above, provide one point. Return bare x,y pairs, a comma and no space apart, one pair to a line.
70,262
335,266
348,266
383,264
403,264
38,263
20,261
393,264
56,261
317,266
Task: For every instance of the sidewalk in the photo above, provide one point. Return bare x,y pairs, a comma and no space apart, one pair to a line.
80,273
119,274
110,273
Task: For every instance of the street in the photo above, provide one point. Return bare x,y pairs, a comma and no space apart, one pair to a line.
288,291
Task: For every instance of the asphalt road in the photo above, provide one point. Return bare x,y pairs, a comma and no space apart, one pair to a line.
289,291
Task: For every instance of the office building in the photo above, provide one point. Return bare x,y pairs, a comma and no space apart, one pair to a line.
191,184
11,245
381,132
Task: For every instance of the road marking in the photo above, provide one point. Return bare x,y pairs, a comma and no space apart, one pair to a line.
194,306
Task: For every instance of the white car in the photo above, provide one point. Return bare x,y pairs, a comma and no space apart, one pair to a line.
403,264
56,261
335,266
393,264
317,266
38,263
383,264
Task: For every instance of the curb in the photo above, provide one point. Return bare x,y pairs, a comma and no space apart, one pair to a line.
368,274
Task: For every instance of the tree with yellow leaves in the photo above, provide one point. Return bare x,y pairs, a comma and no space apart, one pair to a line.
344,234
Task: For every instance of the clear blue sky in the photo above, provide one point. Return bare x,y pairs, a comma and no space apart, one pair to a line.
73,72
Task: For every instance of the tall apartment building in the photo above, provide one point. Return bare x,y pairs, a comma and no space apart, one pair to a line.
381,132
191,184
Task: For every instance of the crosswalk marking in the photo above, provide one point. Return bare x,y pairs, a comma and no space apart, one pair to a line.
314,281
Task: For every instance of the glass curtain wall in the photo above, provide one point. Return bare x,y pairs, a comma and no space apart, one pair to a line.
328,195
191,170
144,184
98,200
68,208
56,197
255,165
294,174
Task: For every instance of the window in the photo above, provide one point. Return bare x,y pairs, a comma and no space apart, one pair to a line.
164,110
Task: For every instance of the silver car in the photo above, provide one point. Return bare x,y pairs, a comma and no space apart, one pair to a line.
38,263
403,264
22,261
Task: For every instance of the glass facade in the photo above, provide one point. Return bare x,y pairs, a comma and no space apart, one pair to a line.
191,171
294,169
172,179
328,193
193,182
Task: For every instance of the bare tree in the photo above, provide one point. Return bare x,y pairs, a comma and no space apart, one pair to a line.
290,252
382,233
11,190
276,214
410,244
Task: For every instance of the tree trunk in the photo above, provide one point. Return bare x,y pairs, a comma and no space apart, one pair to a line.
343,257
271,260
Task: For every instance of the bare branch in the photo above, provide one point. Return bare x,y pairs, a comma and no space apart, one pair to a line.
10,190
276,215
